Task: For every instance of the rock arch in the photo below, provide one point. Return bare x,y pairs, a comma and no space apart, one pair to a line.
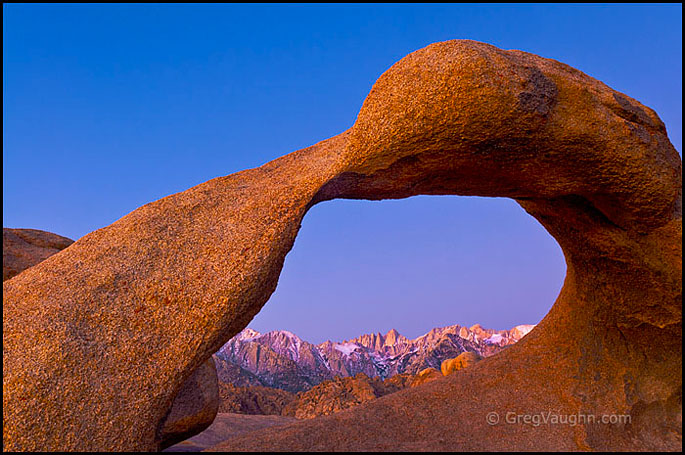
99,338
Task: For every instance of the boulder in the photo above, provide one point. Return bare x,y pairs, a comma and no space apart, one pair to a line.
24,248
114,324
461,361
424,376
255,400
333,396
395,383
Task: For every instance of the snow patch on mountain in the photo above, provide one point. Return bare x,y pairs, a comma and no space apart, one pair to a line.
247,335
494,339
345,348
523,330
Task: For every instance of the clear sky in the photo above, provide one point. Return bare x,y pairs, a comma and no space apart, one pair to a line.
106,108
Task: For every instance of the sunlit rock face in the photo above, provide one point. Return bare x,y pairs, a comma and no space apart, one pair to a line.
117,322
336,395
460,362
426,375
196,403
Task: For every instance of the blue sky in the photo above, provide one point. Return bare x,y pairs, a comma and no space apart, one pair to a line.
106,108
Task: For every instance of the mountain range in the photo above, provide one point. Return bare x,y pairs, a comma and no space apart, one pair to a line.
280,359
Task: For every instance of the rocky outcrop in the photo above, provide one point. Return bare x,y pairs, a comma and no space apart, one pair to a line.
255,400
341,393
162,289
424,376
332,396
460,362
323,399
24,248
396,383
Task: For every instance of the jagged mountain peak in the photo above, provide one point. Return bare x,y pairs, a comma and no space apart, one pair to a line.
282,359
247,334
392,337
284,335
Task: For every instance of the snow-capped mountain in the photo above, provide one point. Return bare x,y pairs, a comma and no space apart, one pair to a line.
282,360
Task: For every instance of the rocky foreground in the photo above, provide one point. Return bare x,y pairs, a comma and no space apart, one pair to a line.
100,338
326,398
226,426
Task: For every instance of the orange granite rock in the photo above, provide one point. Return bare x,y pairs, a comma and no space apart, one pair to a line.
461,361
424,376
24,248
197,402
117,322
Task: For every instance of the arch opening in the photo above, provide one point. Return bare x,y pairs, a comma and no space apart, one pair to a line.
389,290
367,266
